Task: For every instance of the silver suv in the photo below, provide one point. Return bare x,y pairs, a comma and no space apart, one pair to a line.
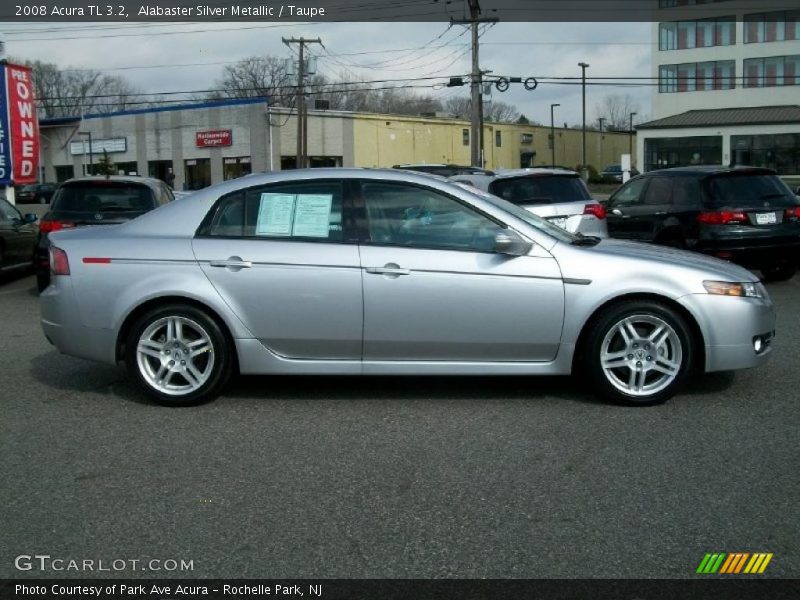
558,195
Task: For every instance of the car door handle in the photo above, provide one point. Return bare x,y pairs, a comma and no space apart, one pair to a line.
388,269
234,262
660,212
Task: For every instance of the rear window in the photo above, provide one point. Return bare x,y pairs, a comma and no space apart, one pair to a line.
540,189
106,196
749,190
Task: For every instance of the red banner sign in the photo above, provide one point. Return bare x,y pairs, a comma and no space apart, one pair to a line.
23,124
213,137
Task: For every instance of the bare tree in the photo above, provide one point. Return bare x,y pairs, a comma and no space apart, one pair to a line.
495,111
74,92
616,110
257,76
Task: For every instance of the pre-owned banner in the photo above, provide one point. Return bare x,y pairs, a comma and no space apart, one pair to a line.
5,142
23,124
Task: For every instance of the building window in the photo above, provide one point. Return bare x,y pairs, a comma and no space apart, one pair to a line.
233,167
690,77
772,71
64,172
498,138
664,153
772,27
465,137
197,173
705,33
780,152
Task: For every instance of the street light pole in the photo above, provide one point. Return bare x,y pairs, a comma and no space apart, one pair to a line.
630,138
553,136
583,67
600,142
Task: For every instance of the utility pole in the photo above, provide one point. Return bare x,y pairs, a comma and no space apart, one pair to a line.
553,136
476,81
300,101
630,138
583,67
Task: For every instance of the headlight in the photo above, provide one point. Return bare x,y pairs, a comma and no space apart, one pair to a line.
726,288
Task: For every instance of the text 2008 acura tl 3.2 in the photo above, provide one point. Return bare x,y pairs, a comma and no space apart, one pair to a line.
356,271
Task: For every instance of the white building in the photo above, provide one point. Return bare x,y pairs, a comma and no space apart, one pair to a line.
728,88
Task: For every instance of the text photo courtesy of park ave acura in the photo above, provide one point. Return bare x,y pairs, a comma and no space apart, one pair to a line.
349,300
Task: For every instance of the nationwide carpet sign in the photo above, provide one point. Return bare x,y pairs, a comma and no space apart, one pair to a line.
19,127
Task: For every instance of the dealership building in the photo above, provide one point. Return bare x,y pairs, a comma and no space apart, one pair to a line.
209,142
728,89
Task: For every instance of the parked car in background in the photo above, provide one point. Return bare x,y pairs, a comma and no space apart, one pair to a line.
388,272
442,169
17,238
614,172
96,200
558,195
35,193
743,214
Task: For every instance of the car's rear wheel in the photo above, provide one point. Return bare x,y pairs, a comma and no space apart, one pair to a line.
638,353
779,272
179,355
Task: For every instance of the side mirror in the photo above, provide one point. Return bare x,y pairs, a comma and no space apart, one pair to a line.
30,218
511,243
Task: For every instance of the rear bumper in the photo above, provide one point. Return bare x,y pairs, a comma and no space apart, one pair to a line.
730,326
62,326
753,253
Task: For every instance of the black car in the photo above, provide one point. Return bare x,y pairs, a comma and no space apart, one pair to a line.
36,193
443,169
17,238
89,201
743,214
614,172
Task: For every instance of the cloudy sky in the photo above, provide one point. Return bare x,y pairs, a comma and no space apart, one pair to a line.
190,56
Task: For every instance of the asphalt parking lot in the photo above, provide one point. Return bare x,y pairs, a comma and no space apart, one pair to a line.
426,477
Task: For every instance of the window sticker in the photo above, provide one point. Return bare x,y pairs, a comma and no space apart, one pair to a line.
275,214
312,215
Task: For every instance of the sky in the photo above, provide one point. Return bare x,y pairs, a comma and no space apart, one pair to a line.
191,56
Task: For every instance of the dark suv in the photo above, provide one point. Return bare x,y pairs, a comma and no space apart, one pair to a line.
743,214
96,200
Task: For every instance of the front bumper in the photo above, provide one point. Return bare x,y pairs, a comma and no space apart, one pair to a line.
62,325
730,326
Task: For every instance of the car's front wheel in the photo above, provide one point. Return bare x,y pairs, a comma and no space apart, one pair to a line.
638,353
179,355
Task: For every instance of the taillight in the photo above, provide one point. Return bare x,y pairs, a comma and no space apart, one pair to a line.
792,213
723,217
59,263
598,210
54,225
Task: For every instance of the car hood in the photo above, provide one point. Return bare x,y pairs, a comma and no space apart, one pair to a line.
673,257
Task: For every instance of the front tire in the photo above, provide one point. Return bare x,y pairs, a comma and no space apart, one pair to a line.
638,353
778,272
179,355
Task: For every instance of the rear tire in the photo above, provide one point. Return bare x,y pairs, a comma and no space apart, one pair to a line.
638,353
179,355
778,272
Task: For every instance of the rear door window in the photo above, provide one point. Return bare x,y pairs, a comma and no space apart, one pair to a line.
104,197
659,192
540,189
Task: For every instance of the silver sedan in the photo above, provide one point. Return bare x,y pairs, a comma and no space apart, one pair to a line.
379,272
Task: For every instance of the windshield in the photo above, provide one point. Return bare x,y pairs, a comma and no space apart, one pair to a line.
528,217
749,189
105,196
540,189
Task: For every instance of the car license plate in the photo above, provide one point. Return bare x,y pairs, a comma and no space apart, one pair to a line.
559,222
766,218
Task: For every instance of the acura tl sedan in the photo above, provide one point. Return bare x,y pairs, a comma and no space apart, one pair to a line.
384,272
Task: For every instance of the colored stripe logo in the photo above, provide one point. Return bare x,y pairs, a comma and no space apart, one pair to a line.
734,563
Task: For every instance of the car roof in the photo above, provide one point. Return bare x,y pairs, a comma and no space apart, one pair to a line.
711,170
509,173
151,182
